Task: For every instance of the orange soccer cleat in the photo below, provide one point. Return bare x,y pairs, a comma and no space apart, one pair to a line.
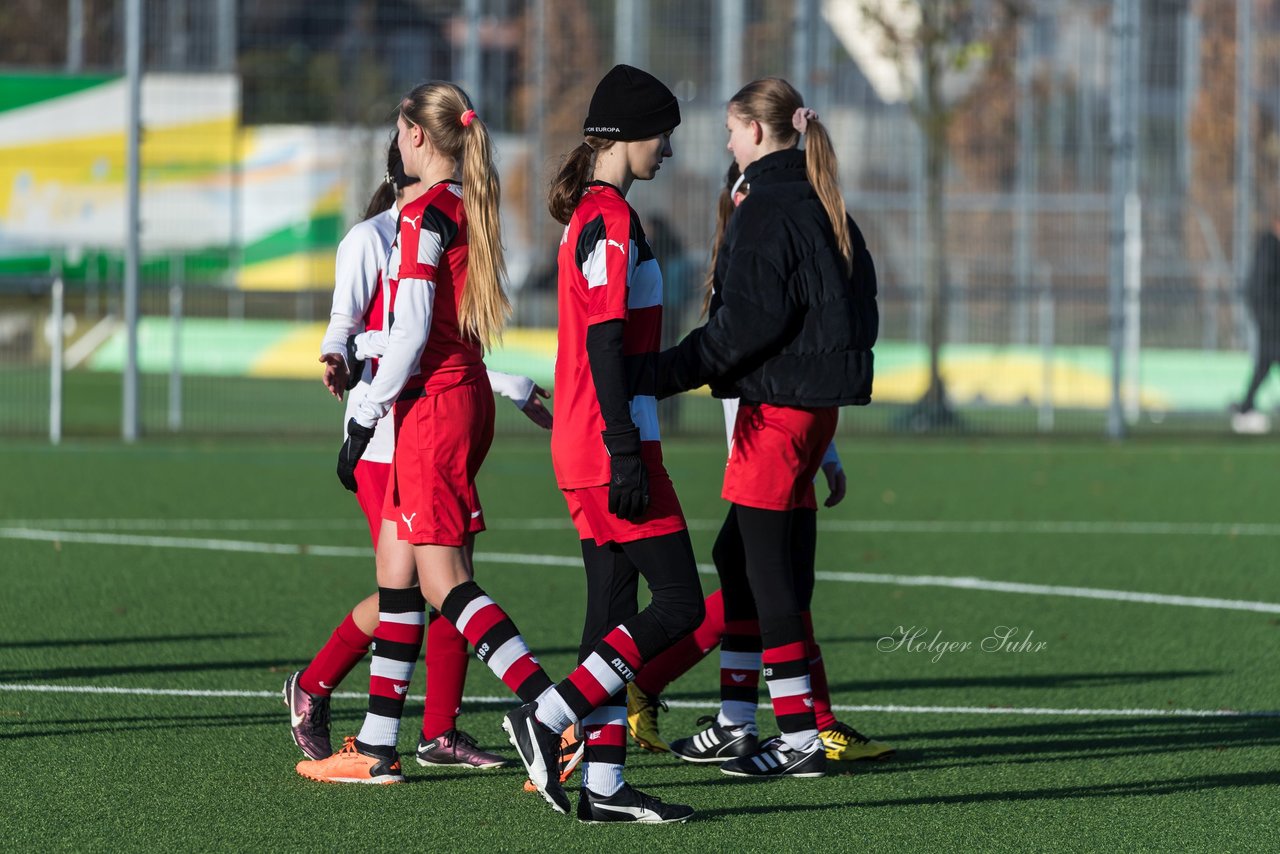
349,765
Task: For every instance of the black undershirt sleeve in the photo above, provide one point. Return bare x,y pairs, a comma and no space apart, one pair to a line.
608,370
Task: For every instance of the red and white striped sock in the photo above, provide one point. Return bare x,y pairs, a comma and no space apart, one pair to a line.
496,640
605,672
605,731
739,673
825,718
396,644
786,672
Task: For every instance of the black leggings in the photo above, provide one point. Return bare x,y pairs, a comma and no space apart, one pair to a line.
765,560
613,572
1268,355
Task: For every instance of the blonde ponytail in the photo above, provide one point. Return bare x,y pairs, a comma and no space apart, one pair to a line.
485,306
823,172
773,102
445,114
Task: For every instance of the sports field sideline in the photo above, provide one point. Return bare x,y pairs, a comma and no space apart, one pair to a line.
157,596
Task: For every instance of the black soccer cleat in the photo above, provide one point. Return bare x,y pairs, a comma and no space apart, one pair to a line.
776,758
539,750
716,743
628,804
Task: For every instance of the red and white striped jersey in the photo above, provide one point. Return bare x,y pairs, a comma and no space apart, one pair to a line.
606,272
425,346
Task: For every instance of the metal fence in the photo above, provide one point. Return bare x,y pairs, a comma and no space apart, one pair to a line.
1103,190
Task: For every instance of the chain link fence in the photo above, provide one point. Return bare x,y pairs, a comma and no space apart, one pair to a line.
1104,189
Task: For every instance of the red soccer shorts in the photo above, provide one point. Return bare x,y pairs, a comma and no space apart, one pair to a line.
589,510
776,452
371,492
441,440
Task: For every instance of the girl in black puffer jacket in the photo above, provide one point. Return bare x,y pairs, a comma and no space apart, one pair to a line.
793,322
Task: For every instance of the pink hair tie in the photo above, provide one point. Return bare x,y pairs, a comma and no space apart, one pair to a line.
801,117
468,117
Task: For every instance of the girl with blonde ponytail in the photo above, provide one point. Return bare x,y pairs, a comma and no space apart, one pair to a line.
449,304
739,640
792,322
365,283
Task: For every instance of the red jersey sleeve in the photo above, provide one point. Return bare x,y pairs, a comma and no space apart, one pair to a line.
606,255
423,238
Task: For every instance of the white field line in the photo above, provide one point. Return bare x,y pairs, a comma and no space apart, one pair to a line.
961,583
189,524
679,704
856,526
954,582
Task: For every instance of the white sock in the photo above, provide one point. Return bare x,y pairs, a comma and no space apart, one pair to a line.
553,712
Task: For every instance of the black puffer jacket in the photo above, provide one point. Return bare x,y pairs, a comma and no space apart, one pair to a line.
788,327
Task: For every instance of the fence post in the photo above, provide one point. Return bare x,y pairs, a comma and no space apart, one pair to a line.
1123,108
132,224
1044,419
175,343
1024,186
56,314
1132,308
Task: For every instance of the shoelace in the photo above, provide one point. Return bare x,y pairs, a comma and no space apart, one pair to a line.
456,737
849,732
349,745
652,701
318,715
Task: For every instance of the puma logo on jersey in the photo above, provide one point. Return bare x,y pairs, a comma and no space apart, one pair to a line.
617,244
408,520
412,220
400,689
738,677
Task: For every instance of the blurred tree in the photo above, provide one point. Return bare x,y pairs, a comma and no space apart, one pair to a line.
938,47
557,80
33,34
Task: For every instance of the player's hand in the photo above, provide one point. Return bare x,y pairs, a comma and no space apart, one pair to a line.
536,412
837,483
335,374
358,437
628,478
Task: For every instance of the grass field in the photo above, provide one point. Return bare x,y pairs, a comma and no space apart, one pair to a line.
217,568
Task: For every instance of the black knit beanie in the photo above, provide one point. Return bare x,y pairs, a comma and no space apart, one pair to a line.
631,104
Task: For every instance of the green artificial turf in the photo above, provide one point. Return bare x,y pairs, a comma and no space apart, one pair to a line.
93,771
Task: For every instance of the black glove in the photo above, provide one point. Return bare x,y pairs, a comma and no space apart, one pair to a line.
358,437
628,478
355,370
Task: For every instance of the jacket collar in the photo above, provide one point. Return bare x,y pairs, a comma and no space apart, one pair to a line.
776,167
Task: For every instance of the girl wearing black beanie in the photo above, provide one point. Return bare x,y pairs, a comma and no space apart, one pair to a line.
604,443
